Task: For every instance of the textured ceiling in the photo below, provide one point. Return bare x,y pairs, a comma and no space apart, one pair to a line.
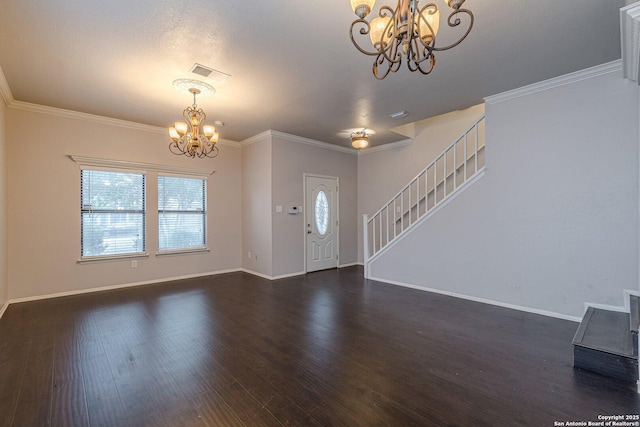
292,65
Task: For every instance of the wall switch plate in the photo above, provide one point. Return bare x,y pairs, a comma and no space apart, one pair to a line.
279,209
134,263
249,254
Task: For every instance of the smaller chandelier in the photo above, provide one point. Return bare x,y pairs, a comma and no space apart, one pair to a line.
360,139
193,138
408,30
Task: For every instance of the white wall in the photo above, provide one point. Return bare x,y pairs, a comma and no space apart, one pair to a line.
256,206
44,203
554,222
381,174
291,160
4,285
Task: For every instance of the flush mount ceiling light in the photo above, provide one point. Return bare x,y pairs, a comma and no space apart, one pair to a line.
408,30
360,139
194,138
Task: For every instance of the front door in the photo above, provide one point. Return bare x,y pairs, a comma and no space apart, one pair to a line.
321,220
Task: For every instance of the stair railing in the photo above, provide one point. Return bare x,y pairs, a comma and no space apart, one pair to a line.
449,172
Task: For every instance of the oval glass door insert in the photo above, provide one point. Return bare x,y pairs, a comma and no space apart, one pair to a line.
322,213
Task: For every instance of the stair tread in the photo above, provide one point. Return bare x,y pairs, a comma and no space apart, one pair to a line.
606,330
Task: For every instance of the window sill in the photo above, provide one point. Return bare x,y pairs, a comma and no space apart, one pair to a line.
106,258
181,252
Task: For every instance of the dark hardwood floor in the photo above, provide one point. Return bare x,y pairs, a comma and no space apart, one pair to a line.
328,348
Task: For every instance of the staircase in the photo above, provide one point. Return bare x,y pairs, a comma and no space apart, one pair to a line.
457,167
607,341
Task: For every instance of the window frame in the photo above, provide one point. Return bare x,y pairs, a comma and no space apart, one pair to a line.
151,171
204,213
143,211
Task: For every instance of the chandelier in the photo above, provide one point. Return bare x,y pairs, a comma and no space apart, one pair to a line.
194,138
360,139
409,30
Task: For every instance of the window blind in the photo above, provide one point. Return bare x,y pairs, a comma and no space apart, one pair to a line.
182,213
112,206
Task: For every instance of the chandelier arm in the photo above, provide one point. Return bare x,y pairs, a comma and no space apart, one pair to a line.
432,63
202,115
385,11
204,154
386,56
186,114
414,56
454,23
426,53
379,61
431,9
364,31
175,148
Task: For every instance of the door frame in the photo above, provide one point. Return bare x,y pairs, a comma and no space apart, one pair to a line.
305,175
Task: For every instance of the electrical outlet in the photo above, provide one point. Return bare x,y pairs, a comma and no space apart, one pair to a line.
134,263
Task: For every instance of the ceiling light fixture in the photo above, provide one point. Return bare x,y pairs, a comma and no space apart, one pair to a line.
408,30
194,138
360,139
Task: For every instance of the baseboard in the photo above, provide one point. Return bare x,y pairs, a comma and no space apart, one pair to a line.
605,307
482,300
265,276
119,286
4,308
284,276
347,265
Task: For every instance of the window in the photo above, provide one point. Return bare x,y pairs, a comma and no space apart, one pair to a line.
113,213
182,213
322,213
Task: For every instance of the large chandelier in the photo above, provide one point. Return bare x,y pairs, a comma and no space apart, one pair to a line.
409,30
193,138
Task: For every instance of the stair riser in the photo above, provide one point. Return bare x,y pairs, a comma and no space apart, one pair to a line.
611,365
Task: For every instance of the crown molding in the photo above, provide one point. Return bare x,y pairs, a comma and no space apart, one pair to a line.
70,114
5,90
630,41
598,70
124,164
270,134
312,142
385,147
262,136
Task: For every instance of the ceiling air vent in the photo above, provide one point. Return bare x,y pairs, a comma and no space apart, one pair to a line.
215,75
201,70
399,114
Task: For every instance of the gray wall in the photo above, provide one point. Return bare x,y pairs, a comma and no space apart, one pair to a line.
44,202
257,233
4,284
381,174
291,160
554,222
